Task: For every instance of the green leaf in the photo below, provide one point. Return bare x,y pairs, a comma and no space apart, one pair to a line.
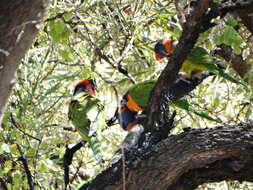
231,22
216,102
86,71
13,149
5,147
66,53
43,166
1,150
31,152
217,40
237,50
228,35
59,31
17,178
67,16
7,166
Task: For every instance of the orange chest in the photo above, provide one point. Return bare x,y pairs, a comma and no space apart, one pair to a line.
132,105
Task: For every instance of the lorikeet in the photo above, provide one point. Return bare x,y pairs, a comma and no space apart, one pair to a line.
85,113
198,60
136,100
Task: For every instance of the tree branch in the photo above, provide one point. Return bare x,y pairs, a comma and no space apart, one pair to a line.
67,160
185,161
15,124
119,67
237,62
26,168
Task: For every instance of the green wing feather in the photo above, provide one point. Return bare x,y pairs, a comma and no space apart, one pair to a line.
85,113
140,92
199,60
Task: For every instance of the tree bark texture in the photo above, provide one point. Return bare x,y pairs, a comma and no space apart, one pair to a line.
185,161
19,25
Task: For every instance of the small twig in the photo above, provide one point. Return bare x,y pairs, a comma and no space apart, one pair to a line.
66,128
59,15
116,91
67,160
249,38
15,124
27,171
119,67
77,171
237,62
65,63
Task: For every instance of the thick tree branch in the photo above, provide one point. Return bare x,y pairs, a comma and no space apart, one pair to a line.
185,161
19,25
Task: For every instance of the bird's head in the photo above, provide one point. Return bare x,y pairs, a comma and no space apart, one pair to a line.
86,86
164,48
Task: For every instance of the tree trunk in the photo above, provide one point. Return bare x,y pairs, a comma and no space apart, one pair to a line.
19,26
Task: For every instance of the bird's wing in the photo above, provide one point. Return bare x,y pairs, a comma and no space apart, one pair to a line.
96,116
141,92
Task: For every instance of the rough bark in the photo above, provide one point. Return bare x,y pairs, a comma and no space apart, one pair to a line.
247,19
19,25
185,161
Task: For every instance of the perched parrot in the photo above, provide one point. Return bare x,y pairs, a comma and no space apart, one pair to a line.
85,113
136,100
198,60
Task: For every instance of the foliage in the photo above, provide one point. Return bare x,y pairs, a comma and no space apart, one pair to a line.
96,39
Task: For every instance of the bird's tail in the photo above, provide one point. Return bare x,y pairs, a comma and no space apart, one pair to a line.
95,146
184,104
219,70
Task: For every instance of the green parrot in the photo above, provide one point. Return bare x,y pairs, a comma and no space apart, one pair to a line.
136,99
141,92
198,61
86,114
